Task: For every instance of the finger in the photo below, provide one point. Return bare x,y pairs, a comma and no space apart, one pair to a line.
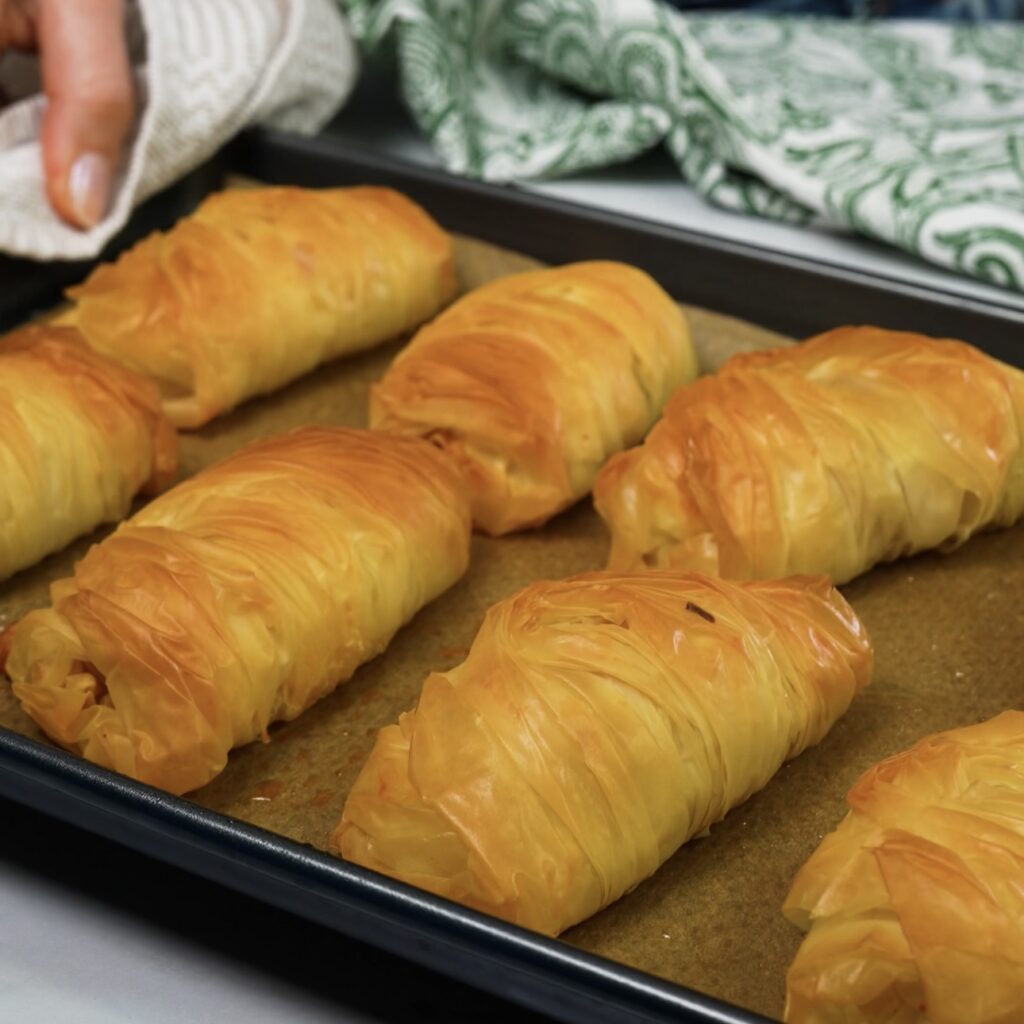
17,25
91,103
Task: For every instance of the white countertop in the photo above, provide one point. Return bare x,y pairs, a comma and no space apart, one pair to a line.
67,956
92,933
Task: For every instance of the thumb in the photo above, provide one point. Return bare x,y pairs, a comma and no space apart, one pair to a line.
87,79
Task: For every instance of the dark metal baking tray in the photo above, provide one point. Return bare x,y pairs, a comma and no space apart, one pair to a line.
544,974
540,973
793,295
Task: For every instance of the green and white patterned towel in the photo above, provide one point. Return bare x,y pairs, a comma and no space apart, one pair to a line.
909,132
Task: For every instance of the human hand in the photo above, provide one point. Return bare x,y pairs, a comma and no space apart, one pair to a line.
90,95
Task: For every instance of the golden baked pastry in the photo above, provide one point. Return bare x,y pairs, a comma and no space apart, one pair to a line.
79,437
238,599
533,380
259,286
597,725
915,903
856,447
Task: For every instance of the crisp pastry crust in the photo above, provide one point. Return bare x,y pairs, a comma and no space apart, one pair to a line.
532,381
915,903
856,447
79,437
239,598
259,286
598,724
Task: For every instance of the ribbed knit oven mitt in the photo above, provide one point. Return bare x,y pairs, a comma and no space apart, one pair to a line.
204,70
910,132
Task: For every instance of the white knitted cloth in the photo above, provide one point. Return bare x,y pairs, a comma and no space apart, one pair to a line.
204,69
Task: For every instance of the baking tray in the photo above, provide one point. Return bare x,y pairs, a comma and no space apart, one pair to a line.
947,630
790,294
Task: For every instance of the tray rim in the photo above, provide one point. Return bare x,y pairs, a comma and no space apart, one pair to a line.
557,979
504,215
554,977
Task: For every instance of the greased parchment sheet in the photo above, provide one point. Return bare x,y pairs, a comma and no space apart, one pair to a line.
947,632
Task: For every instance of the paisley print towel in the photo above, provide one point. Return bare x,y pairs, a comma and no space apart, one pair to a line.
910,132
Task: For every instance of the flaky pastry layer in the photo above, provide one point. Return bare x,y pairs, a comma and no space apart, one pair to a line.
856,447
79,437
238,599
598,724
915,903
259,286
532,381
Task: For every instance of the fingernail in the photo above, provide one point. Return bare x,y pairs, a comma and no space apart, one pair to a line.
89,188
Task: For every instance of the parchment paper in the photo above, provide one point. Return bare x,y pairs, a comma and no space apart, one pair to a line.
947,631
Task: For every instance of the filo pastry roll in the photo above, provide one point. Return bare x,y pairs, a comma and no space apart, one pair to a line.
239,598
856,447
532,381
259,286
914,905
79,438
597,725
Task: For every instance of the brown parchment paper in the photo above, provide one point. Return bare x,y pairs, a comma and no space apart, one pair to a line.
947,631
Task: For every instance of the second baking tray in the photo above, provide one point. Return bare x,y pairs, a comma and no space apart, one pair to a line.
703,939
